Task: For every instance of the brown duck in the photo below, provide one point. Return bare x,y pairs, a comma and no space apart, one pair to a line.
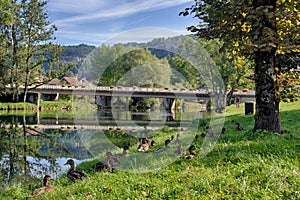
109,163
74,174
191,154
124,153
47,187
144,146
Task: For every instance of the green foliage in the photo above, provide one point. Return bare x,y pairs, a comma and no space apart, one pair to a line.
128,66
289,86
188,76
27,46
260,29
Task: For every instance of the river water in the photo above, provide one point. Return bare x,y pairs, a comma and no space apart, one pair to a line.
36,144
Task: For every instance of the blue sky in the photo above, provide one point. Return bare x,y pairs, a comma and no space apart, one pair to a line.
96,21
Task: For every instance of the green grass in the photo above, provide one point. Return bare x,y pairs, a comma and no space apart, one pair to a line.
47,105
17,106
242,165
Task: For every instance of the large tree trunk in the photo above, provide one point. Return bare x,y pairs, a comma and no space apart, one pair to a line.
267,103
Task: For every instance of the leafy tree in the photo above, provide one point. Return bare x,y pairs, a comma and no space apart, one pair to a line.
139,67
27,38
188,77
100,59
262,29
235,70
128,66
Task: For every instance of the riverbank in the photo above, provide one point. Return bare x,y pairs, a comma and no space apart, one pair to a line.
46,106
242,165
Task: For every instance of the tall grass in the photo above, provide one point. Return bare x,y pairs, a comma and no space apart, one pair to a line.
242,165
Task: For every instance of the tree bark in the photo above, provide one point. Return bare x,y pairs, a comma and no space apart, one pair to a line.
267,103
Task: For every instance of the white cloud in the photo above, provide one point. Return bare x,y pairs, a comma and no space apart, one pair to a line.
78,6
98,10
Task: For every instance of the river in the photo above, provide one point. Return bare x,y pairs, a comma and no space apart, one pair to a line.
36,144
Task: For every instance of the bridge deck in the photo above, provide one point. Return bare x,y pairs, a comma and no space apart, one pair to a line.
132,92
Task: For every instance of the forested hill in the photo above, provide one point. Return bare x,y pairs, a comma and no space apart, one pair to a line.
157,46
76,53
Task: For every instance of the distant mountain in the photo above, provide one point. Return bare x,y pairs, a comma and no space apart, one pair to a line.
76,53
160,47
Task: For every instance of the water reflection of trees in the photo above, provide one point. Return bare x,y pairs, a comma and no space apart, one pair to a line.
27,153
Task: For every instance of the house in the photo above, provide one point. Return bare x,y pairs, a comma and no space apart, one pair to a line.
54,81
69,81
85,82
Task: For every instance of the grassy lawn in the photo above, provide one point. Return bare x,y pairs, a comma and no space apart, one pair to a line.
242,165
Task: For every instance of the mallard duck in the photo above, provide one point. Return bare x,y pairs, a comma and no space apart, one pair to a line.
152,143
223,130
234,122
144,146
47,187
210,133
172,138
124,153
109,163
167,142
179,151
239,127
73,174
191,155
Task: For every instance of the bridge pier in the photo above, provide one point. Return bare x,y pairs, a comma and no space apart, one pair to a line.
169,104
103,102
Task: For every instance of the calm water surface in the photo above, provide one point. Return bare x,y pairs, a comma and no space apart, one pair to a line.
32,146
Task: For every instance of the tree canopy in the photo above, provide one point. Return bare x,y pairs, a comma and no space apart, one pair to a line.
261,29
27,45
129,66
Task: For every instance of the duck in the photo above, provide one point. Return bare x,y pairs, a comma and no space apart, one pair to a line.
46,188
210,133
109,163
167,142
223,130
191,154
172,138
123,154
179,151
152,143
144,146
74,174
239,127
234,122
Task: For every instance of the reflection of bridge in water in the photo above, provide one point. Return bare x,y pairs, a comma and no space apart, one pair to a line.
113,124
156,126
123,121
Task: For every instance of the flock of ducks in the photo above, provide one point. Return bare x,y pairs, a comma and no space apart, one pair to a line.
111,160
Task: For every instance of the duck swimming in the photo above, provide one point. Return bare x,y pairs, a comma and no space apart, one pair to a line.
47,187
74,174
